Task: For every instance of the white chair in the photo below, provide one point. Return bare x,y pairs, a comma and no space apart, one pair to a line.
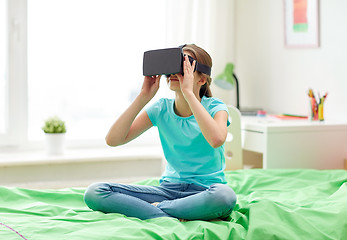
233,143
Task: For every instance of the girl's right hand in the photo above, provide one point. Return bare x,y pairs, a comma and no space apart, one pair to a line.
150,86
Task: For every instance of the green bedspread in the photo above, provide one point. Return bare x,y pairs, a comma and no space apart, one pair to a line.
272,204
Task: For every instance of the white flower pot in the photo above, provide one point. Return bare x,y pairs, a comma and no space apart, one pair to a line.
55,143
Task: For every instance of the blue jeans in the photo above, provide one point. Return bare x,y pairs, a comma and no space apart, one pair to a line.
179,200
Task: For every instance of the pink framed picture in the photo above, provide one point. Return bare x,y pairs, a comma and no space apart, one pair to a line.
301,23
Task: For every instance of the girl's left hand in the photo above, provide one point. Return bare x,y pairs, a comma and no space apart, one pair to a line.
187,81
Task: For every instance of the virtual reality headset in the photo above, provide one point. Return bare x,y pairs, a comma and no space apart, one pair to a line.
168,61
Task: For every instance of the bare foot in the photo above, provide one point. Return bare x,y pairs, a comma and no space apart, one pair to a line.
183,220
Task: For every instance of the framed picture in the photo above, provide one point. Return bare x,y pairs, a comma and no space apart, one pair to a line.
301,23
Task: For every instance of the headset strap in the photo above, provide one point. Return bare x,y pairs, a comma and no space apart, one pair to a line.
199,66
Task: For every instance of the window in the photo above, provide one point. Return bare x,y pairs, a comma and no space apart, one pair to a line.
3,55
82,60
85,61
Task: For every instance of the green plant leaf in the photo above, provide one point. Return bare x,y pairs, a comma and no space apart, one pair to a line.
54,125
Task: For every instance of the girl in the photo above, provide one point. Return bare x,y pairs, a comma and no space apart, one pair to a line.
192,129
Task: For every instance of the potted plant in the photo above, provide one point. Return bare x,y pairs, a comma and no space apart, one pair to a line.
55,130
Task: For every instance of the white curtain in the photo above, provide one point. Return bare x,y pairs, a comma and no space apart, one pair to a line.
209,24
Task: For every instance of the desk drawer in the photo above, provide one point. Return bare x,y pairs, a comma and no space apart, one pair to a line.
253,141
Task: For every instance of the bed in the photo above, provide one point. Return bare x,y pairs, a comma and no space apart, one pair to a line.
272,204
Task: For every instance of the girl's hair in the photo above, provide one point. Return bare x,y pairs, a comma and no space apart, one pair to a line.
201,56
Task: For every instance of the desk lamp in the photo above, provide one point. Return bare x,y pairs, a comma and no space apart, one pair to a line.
227,80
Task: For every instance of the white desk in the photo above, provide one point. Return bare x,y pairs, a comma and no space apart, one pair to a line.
296,143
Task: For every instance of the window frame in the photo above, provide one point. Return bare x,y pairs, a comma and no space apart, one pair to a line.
16,72
16,99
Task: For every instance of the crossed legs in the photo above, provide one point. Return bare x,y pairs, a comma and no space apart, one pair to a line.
179,200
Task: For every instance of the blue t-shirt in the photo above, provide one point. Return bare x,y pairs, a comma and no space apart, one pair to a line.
190,158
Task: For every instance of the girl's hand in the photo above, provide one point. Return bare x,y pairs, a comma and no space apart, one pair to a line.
150,86
187,81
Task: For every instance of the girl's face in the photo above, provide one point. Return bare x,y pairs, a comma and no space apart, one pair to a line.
173,82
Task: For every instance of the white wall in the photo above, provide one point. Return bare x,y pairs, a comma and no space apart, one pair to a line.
277,78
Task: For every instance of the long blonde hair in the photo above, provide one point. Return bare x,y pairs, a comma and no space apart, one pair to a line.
201,56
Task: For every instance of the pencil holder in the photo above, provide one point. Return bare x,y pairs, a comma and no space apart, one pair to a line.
316,111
